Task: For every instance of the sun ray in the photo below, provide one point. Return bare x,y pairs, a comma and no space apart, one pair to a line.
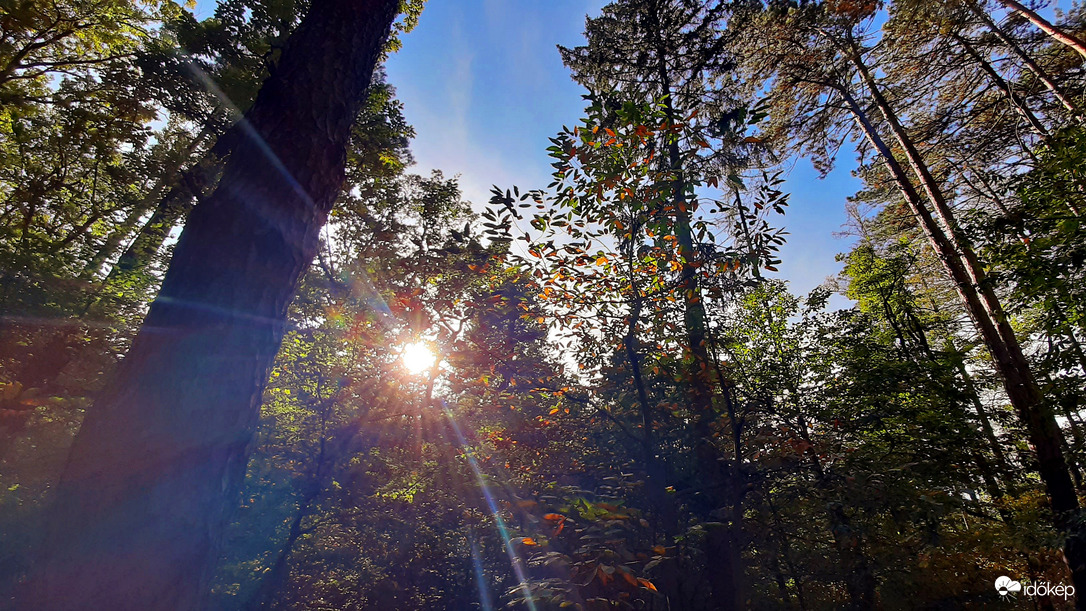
503,530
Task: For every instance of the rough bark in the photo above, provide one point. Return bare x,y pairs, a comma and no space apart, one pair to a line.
142,503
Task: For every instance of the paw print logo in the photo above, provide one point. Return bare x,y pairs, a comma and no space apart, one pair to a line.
1006,586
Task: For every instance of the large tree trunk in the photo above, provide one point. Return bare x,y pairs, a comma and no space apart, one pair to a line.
141,506
1046,27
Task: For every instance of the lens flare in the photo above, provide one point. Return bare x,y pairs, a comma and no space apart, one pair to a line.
503,531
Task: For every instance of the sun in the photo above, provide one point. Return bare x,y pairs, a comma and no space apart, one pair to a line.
417,357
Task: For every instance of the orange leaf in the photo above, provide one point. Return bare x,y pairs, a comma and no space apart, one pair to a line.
647,584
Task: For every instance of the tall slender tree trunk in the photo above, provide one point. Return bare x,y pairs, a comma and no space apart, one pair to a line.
860,579
655,474
153,196
1025,58
141,506
60,345
273,580
997,79
984,309
122,231
957,358
724,562
988,477
1000,338
786,554
129,277
982,417
633,355
721,548
1042,24
919,335
174,206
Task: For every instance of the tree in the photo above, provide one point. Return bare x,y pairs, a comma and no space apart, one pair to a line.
1019,52
672,53
161,452
1058,34
836,33
572,448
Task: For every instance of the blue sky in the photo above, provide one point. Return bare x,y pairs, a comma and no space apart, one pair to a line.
484,86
